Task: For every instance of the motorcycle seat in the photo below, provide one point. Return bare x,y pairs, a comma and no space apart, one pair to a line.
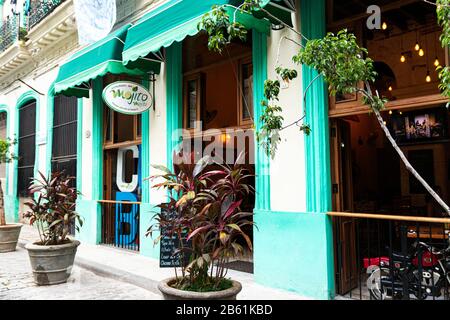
397,256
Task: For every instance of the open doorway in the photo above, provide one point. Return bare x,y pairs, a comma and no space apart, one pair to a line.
122,180
218,111
368,176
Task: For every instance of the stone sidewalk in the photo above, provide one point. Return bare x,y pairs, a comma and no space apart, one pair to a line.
16,283
145,272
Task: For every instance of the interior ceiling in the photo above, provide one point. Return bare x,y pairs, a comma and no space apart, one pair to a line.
400,13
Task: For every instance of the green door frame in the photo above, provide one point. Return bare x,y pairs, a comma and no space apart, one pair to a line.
23,99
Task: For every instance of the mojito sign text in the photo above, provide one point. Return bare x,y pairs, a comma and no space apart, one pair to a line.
127,97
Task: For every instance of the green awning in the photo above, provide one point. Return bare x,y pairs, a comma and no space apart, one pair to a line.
96,60
281,9
174,21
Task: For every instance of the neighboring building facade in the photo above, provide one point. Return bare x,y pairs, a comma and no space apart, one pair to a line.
157,44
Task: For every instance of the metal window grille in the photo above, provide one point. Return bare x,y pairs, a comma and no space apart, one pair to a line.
27,147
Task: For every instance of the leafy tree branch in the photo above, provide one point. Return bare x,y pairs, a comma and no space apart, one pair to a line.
342,63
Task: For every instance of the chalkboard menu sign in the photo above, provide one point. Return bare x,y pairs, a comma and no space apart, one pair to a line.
168,245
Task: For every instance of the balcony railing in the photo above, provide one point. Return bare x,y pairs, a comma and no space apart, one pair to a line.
9,32
39,9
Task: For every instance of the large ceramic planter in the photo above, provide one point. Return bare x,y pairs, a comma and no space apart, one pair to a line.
9,235
52,264
170,293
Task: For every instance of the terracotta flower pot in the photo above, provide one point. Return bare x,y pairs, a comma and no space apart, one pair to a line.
170,293
52,264
9,235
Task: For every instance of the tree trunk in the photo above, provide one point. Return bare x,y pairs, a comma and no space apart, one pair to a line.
408,165
2,207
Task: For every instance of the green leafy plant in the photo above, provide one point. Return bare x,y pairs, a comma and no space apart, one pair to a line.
443,15
53,207
205,218
5,156
344,66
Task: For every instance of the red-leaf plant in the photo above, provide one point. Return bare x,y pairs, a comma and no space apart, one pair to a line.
205,218
52,207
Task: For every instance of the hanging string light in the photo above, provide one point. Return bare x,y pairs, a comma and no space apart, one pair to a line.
384,26
402,57
428,77
417,46
421,52
436,60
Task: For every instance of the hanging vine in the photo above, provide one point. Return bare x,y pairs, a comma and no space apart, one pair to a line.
443,16
341,62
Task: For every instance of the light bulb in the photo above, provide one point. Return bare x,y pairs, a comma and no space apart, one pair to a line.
421,52
402,58
428,78
436,62
417,47
390,111
401,113
390,89
384,26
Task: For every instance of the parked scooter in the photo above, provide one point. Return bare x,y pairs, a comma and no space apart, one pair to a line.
403,277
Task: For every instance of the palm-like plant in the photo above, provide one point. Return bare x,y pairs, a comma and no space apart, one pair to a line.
53,207
203,214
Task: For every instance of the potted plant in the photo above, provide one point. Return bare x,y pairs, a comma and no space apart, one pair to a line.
9,233
204,215
52,209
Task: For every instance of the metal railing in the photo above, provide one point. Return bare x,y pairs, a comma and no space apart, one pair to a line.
9,32
39,9
388,257
120,224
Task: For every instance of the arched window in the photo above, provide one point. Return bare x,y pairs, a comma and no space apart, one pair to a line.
27,147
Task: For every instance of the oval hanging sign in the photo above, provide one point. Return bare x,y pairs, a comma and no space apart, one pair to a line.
127,97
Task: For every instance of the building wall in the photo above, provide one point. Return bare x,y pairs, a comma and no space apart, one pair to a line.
287,169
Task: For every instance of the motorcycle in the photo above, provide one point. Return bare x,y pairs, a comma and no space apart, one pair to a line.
400,275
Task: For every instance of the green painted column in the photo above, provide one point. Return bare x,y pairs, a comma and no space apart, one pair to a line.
146,244
90,209
50,115
317,145
262,163
174,96
294,250
79,145
174,91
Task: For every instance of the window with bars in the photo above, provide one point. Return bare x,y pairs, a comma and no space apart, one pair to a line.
27,147
64,147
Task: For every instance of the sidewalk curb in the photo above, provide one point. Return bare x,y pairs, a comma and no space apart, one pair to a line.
111,272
